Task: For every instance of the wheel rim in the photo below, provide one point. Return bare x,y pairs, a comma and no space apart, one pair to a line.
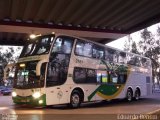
137,96
75,100
129,96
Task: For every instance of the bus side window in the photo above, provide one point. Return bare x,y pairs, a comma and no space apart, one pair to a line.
80,75
149,64
122,78
79,48
109,54
131,59
113,77
102,76
98,52
91,76
145,62
63,45
122,57
83,48
134,60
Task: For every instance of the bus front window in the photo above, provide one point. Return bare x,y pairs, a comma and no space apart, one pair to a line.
25,76
38,46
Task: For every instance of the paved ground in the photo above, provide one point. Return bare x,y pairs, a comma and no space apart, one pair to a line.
99,110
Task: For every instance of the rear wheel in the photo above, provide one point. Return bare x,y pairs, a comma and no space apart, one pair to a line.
137,94
129,95
75,99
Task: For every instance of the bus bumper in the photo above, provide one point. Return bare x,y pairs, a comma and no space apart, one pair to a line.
29,100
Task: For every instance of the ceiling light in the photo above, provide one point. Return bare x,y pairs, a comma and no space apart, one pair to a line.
6,19
60,24
32,36
69,24
50,23
18,20
87,26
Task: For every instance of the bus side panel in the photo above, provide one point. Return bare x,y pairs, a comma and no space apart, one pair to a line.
63,93
136,80
88,90
51,96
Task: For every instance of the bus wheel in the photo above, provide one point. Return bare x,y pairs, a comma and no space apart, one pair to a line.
129,95
137,94
75,99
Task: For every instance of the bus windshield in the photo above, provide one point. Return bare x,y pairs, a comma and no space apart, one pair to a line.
25,76
38,46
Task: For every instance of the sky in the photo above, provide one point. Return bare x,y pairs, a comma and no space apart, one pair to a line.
119,43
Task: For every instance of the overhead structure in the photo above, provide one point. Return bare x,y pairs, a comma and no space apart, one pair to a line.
98,20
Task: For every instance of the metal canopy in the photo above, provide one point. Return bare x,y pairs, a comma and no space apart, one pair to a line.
99,20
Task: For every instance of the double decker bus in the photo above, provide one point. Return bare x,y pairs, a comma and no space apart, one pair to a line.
61,69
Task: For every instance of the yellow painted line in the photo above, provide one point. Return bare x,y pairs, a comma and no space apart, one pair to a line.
154,111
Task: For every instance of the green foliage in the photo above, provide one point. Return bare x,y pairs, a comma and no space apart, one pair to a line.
150,48
8,55
134,48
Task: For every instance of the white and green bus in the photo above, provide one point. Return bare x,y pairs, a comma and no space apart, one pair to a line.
61,69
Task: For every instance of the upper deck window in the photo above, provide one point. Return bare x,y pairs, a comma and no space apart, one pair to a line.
38,46
122,57
63,45
110,54
98,52
83,49
44,46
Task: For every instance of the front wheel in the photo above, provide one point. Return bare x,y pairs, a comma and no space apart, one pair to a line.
75,100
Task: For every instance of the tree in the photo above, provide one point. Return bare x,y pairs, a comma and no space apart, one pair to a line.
157,51
149,47
7,55
134,48
127,45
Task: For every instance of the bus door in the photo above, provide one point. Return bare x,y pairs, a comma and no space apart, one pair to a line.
58,70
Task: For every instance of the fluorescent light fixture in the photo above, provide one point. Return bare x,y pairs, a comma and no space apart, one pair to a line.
32,36
22,65
38,35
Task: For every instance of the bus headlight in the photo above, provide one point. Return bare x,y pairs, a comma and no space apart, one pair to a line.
14,94
36,95
40,101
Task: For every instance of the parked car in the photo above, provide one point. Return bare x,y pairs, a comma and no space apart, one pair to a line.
6,91
156,90
2,88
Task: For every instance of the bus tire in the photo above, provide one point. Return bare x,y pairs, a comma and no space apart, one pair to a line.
75,99
137,94
129,95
